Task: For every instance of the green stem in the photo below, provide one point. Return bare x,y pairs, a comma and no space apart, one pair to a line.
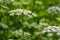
33,4
22,28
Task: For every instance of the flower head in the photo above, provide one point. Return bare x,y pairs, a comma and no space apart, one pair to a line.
51,30
19,12
53,9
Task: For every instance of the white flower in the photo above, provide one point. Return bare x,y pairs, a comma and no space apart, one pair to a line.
17,33
50,30
54,30
30,16
54,26
18,12
29,11
58,30
12,14
25,13
53,9
12,0
49,27
12,11
40,23
50,34
58,33
10,39
44,32
27,34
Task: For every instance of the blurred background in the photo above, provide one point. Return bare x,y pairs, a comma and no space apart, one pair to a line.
27,19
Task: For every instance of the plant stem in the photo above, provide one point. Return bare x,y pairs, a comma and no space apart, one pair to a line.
33,4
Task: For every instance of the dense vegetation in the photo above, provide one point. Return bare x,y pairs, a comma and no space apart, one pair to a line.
29,19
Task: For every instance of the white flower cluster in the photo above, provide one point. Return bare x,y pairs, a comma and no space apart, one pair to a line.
3,25
34,24
6,1
22,11
19,33
53,9
10,39
50,30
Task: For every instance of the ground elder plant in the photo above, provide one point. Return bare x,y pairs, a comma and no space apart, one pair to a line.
54,9
52,32
29,20
21,15
53,13
22,12
18,33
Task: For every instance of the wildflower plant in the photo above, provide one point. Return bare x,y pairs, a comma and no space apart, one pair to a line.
26,19
22,12
54,9
18,33
52,32
21,15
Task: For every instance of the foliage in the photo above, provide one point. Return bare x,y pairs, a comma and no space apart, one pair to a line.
28,19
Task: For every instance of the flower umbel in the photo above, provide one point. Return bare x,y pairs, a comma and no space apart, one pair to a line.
18,12
51,30
53,9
